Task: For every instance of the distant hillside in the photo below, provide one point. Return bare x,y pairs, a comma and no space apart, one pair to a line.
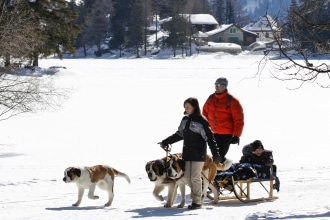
257,8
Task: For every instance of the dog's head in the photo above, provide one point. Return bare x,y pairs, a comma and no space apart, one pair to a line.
155,169
175,167
71,174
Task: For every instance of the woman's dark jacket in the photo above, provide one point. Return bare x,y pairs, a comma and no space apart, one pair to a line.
195,132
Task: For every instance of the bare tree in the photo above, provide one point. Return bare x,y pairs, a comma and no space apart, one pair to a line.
21,92
306,51
18,33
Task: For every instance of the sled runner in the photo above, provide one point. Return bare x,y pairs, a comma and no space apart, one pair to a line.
245,182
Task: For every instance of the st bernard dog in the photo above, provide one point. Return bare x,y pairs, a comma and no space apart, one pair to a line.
156,170
175,170
89,177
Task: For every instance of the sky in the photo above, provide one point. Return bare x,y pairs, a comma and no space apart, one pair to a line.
119,109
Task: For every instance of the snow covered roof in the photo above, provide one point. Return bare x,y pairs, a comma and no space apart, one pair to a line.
200,34
221,45
218,30
202,19
196,19
264,23
224,27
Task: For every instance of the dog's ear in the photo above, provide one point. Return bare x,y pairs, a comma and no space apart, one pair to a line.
182,164
76,171
147,166
161,165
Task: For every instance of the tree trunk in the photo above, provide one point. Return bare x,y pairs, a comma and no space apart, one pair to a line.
7,60
35,59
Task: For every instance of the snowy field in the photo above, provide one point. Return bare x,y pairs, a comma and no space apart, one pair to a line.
118,111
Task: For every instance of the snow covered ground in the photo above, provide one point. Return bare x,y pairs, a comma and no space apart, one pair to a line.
120,108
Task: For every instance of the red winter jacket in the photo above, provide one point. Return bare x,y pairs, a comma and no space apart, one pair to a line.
224,119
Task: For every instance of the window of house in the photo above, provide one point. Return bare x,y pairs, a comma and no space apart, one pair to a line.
220,39
233,39
249,40
232,30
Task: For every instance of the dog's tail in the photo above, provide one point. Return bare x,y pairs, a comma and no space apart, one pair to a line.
124,175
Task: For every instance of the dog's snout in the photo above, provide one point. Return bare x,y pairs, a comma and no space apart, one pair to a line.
64,179
149,175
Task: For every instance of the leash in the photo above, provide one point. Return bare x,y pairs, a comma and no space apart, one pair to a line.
167,149
206,178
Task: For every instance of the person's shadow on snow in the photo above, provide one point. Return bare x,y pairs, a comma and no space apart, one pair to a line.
159,211
162,211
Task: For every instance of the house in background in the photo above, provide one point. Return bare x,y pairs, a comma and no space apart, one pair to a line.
231,33
202,22
265,27
199,22
207,32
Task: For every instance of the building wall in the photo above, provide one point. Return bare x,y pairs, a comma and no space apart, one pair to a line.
230,35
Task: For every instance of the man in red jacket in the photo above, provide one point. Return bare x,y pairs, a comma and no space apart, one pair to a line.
226,118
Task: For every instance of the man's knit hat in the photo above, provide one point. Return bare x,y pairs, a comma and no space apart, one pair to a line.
222,81
257,145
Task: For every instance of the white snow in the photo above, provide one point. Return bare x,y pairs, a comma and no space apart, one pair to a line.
202,19
120,108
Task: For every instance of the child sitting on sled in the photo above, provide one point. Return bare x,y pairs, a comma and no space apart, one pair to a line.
254,153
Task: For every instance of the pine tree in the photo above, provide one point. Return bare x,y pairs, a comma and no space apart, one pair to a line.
230,12
83,8
178,29
291,27
219,11
312,24
56,20
136,27
162,7
97,24
119,22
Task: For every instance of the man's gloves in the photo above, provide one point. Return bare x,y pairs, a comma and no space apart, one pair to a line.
217,158
235,140
165,147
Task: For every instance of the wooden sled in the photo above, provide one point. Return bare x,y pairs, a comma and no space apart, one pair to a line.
242,190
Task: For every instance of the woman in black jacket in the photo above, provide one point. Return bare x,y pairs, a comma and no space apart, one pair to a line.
195,132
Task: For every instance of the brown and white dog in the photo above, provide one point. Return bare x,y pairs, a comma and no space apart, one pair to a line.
89,177
156,170
175,170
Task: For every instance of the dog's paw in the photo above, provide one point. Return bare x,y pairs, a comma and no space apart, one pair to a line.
76,204
160,198
167,206
180,206
107,204
93,197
